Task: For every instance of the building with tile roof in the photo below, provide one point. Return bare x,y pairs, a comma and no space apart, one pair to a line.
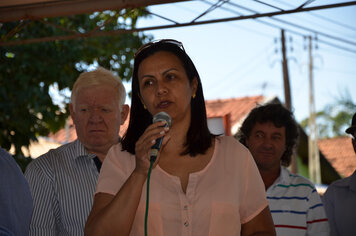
233,111
340,154
225,117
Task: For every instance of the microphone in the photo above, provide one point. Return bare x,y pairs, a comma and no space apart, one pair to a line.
160,116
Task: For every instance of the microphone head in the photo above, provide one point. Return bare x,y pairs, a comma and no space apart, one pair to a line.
162,116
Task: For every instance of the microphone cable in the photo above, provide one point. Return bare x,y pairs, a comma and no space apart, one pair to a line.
148,193
160,116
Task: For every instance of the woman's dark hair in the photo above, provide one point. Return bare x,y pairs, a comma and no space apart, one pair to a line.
198,138
280,117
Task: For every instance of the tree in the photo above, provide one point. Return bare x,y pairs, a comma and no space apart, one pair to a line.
334,118
28,71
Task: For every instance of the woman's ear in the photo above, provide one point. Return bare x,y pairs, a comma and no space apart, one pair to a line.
194,86
143,104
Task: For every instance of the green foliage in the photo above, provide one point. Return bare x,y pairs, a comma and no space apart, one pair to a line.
28,71
334,118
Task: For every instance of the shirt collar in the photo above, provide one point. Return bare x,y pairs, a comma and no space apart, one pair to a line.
81,151
283,178
285,175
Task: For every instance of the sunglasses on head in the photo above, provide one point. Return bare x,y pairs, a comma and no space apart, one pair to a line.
159,41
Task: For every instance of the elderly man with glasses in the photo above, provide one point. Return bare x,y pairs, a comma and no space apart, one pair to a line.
340,198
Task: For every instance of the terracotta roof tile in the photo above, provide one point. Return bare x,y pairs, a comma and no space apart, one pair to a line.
238,108
340,154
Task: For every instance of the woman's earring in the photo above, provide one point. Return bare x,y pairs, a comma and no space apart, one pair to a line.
193,95
144,106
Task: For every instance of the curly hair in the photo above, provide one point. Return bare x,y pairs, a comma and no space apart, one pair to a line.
280,117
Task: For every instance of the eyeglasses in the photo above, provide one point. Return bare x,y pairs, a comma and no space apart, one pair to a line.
159,41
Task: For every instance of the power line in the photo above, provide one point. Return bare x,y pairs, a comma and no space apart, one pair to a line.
276,26
227,9
212,7
270,5
240,14
306,3
337,46
321,17
333,21
162,17
294,32
340,53
297,26
240,71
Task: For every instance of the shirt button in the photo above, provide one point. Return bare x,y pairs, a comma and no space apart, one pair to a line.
185,207
186,224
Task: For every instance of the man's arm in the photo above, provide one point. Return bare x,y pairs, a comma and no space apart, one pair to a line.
328,201
317,221
45,207
261,225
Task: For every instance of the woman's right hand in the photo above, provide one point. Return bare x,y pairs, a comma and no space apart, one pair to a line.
114,215
145,142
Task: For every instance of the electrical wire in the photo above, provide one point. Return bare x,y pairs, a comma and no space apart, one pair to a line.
162,17
148,195
281,9
296,25
320,17
306,3
295,32
212,7
244,28
237,75
272,25
270,5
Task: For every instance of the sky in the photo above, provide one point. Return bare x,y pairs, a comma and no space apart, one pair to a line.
243,58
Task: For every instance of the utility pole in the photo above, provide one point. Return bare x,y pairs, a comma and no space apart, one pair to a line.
287,93
313,151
